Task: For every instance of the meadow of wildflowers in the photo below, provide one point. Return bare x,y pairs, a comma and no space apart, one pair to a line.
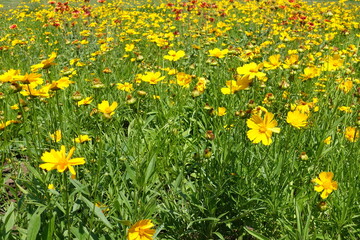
142,120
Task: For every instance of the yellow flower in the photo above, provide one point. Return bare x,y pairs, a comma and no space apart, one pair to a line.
51,186
310,72
129,47
234,86
106,109
7,123
62,83
346,86
56,136
262,129
82,139
58,160
291,61
273,63
252,70
218,53
297,119
333,63
174,56
15,107
29,78
142,230
45,64
221,111
325,184
352,134
183,79
327,140
345,109
152,77
85,101
127,87
9,76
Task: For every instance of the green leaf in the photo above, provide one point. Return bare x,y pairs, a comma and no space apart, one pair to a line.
150,170
9,219
81,233
51,226
97,212
34,224
219,235
255,234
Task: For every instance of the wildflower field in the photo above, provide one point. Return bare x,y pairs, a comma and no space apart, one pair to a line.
183,120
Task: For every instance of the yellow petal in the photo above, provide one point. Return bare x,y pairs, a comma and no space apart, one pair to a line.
76,161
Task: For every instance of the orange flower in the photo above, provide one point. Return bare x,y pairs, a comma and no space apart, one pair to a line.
142,230
325,184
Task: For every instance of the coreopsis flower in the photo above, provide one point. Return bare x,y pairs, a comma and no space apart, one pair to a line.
345,109
251,70
56,136
303,107
273,63
352,134
201,85
29,78
62,83
325,184
261,129
333,63
85,101
106,109
218,53
9,76
310,72
183,79
31,90
7,123
127,87
129,47
221,111
45,64
232,86
60,161
174,56
82,139
141,230
292,60
152,77
345,86
327,140
297,119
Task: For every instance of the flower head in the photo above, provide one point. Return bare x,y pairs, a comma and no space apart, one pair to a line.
262,129
82,139
174,56
107,109
152,77
142,230
56,136
45,64
325,184
352,134
252,70
297,119
60,161
218,53
85,101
